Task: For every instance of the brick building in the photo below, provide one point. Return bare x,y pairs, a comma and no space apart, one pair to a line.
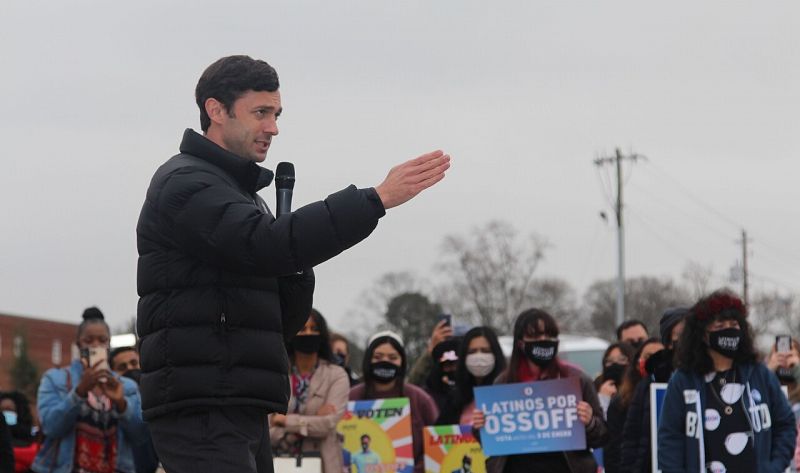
48,344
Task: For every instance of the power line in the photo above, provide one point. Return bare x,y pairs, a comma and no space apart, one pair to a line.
668,203
691,195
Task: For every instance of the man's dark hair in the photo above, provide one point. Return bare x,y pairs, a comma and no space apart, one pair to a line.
692,353
365,436
628,324
229,78
117,351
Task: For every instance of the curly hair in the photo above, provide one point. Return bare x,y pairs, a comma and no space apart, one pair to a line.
229,78
692,351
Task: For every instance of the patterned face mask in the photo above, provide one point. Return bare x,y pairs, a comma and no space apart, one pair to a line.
725,341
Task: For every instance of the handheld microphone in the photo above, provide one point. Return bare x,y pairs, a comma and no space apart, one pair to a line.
284,185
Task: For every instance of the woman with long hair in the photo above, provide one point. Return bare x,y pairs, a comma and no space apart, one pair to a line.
319,398
534,357
723,410
618,408
616,359
480,361
384,368
89,415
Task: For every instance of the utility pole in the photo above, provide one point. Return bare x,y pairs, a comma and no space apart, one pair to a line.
744,267
618,209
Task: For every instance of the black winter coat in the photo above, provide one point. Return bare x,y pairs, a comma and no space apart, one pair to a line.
218,278
615,419
636,454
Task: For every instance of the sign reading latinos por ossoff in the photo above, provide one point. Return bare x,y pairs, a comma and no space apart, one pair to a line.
377,436
452,449
531,417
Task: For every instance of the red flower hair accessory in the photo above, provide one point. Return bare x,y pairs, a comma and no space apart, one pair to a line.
717,303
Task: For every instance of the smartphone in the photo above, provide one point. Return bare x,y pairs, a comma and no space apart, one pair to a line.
97,358
448,320
783,343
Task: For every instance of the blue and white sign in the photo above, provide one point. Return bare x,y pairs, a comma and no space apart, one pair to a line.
657,393
531,417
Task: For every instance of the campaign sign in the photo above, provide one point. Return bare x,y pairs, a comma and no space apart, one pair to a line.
657,393
452,449
377,436
531,417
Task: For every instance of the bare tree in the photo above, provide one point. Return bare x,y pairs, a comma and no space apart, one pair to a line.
773,313
558,298
488,274
369,316
698,278
646,298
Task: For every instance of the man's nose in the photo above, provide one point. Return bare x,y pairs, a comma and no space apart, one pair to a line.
271,127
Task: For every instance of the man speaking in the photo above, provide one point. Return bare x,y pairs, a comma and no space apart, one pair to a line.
223,284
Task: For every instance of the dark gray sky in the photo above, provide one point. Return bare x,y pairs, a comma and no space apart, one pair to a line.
97,94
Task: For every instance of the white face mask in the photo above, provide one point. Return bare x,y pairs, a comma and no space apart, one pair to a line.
480,364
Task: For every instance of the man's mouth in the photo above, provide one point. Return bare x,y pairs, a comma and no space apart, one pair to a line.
263,144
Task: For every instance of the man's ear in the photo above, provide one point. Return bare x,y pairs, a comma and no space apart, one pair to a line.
215,110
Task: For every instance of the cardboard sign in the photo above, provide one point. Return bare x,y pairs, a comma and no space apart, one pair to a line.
452,449
377,436
531,417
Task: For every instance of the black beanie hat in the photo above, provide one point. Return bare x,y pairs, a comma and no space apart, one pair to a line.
669,320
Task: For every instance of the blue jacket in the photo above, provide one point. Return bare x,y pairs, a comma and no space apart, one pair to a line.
58,412
680,435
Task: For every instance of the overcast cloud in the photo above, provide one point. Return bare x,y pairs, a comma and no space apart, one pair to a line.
523,95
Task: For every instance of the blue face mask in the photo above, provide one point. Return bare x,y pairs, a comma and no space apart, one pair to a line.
11,417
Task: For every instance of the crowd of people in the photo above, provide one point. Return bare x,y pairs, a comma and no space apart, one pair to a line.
726,408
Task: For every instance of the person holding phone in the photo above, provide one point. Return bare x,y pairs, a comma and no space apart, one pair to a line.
784,361
90,416
422,367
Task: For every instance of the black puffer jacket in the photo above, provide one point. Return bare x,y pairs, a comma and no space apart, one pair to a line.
217,278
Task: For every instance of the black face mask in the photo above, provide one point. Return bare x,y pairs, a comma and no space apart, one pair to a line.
659,366
636,344
384,371
307,344
785,375
614,372
541,352
725,342
133,374
339,359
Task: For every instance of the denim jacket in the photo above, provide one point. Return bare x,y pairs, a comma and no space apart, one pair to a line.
59,407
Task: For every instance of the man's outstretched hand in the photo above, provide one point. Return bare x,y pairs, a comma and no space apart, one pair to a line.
407,180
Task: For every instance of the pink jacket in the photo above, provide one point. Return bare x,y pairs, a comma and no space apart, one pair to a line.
329,385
